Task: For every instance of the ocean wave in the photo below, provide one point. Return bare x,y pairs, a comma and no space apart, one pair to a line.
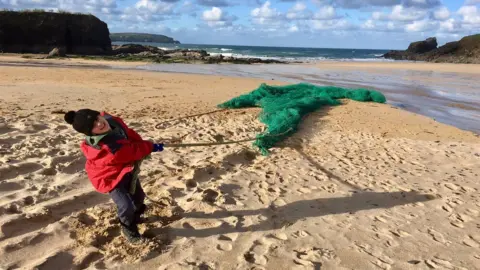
302,58
225,50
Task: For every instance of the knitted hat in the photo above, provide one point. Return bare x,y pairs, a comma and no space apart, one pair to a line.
82,120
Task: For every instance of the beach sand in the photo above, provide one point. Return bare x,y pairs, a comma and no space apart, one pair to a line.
360,186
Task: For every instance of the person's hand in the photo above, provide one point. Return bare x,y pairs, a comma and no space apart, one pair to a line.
157,147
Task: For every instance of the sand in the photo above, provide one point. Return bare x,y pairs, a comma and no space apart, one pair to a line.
360,186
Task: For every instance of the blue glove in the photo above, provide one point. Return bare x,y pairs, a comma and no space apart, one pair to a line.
157,147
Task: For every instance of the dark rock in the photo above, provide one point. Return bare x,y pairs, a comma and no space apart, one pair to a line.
220,59
447,48
187,54
135,49
41,32
427,45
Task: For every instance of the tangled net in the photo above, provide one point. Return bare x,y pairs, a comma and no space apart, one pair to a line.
284,106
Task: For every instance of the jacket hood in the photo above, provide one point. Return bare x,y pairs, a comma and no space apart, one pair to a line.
92,151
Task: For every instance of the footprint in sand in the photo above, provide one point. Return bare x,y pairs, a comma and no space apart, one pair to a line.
313,256
458,220
226,241
381,261
12,171
440,263
256,253
244,157
204,174
437,236
472,241
451,186
300,234
279,236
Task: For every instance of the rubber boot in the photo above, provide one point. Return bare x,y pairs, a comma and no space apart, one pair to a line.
132,235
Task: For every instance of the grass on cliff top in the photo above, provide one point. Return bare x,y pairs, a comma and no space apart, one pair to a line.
471,40
41,11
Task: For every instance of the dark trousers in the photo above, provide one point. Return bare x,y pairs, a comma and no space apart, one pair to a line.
129,205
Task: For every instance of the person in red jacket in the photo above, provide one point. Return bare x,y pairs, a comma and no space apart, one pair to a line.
114,153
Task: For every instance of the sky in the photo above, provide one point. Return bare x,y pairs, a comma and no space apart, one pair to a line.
367,24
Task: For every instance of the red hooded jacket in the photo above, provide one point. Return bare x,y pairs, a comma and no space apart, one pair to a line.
114,156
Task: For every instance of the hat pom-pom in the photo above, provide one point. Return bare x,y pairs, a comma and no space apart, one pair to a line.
70,117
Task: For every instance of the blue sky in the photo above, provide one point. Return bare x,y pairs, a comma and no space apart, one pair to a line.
375,24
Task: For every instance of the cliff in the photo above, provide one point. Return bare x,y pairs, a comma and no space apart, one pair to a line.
40,32
466,50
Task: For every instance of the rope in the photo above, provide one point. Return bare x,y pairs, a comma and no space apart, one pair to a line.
182,145
158,126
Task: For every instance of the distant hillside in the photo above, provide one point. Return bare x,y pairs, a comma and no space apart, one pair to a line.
140,37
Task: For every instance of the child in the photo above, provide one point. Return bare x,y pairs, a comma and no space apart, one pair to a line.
114,153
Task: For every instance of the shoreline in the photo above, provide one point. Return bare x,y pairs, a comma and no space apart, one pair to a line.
331,64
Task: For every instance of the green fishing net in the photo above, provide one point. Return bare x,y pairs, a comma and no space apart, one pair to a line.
285,106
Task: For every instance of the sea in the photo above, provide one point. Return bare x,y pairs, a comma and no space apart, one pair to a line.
279,53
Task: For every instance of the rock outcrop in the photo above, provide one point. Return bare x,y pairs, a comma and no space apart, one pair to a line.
41,32
466,50
425,46
137,52
134,49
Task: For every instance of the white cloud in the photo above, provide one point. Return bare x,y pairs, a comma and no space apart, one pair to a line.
265,14
326,13
152,6
420,26
470,15
441,14
99,6
450,26
299,12
382,26
369,24
215,14
293,29
341,24
359,4
400,13
472,2
299,6
217,17
145,11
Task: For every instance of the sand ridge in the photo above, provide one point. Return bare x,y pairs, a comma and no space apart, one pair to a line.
360,186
